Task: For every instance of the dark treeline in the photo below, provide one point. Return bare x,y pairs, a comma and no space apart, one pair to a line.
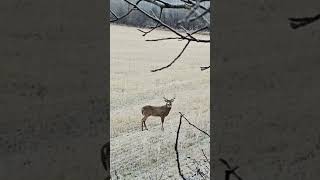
169,16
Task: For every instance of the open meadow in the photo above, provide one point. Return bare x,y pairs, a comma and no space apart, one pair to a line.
137,154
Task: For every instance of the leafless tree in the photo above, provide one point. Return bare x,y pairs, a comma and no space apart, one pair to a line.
193,11
197,10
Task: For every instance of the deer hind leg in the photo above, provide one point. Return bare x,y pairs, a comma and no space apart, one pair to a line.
162,120
143,122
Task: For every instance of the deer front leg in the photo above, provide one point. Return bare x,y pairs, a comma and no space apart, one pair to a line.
162,120
145,125
143,122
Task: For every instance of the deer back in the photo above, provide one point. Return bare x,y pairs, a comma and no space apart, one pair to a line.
155,110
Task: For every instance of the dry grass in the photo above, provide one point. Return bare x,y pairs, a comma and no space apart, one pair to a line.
144,155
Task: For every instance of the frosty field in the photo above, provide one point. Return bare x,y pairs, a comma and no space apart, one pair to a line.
137,154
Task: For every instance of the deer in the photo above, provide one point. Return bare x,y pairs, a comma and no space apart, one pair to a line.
158,111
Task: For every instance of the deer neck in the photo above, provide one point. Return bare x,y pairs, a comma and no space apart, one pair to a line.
166,110
168,107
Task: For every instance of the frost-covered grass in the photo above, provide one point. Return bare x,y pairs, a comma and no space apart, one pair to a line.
137,154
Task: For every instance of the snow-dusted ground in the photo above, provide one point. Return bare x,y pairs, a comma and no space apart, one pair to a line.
137,154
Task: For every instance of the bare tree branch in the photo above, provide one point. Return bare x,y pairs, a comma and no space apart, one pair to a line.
178,38
204,68
165,25
114,14
197,10
119,18
194,3
230,171
203,17
199,30
199,16
147,32
162,39
192,11
129,12
194,125
176,149
153,28
300,22
164,4
188,34
164,67
205,156
198,166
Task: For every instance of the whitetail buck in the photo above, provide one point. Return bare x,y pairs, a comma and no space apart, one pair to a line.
160,111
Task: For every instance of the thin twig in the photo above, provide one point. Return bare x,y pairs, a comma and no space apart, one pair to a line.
201,29
125,15
192,11
200,15
201,174
296,23
168,5
194,125
194,3
194,32
230,170
205,156
204,68
188,34
119,18
162,39
147,32
164,67
115,172
165,25
153,28
198,164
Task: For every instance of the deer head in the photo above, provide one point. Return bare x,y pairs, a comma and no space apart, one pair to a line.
168,102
